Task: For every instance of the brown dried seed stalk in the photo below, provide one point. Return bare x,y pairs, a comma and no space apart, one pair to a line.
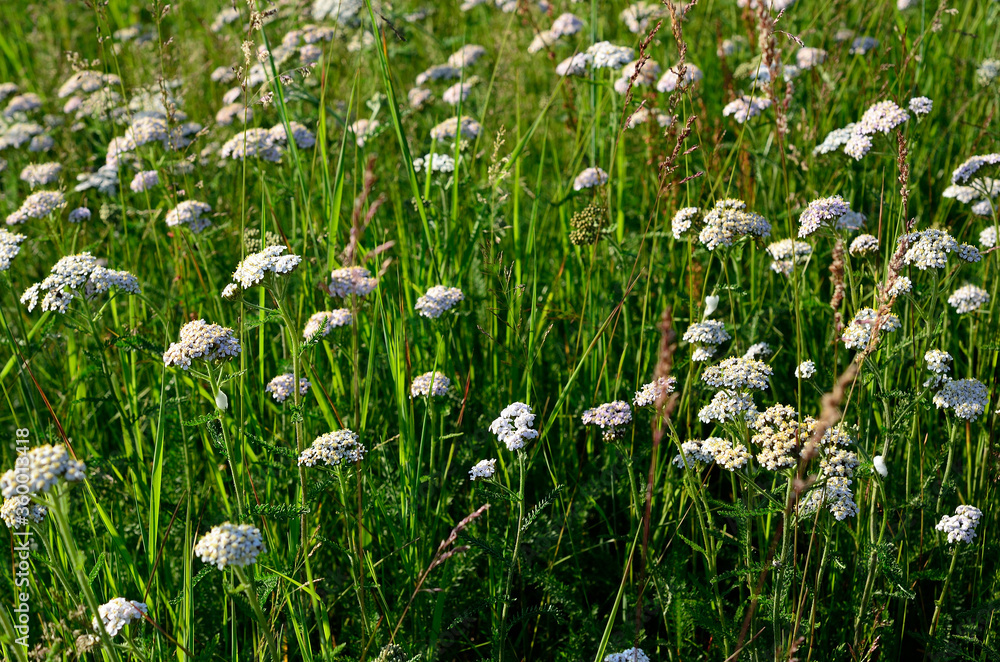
837,278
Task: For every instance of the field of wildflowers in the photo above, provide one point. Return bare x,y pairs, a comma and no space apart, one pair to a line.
503,330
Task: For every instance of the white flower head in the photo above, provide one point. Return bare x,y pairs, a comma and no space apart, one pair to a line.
39,470
961,527
333,448
514,426
437,300
805,370
966,397
18,511
611,417
430,384
202,341
483,469
281,386
630,655
270,261
118,613
653,391
351,281
324,322
228,544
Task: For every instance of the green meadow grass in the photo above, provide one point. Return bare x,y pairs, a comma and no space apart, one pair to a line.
589,546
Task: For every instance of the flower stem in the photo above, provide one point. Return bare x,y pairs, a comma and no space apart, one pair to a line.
513,560
248,586
293,343
944,589
75,559
947,467
225,440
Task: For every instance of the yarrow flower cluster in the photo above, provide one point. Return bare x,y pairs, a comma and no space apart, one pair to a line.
684,221
838,462
736,378
204,341
971,166
609,56
738,374
966,397
483,469
824,211
639,73
858,333
757,350
808,57
437,300
786,254
450,129
988,237
37,205
40,174
430,384
630,655
18,511
437,162
303,137
881,117
938,363
835,140
968,298
252,143
71,273
575,65
728,221
43,466
460,91
780,436
714,449
988,71
590,178
805,370
746,107
10,246
654,390
961,527
144,180
864,245
324,322
929,249
252,269
921,105
468,55
611,417
118,613
79,215
835,493
900,285
281,386
364,130
228,544
514,426
190,213
706,336
980,193
351,281
671,78
333,448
